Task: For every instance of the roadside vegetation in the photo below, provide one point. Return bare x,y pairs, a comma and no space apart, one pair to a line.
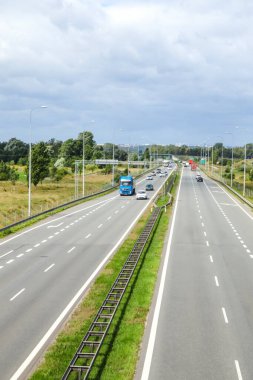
119,353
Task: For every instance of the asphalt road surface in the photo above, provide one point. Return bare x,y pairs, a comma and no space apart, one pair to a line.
45,269
201,324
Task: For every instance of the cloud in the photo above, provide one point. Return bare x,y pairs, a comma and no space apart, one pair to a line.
181,65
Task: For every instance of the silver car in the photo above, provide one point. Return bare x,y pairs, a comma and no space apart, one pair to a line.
141,194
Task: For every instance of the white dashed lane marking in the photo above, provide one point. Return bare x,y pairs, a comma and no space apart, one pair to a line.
17,294
50,267
224,315
238,370
216,281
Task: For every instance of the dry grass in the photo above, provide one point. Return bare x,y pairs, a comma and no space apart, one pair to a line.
14,198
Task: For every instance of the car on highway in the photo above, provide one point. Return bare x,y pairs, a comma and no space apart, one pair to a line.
199,178
141,194
149,187
162,174
149,178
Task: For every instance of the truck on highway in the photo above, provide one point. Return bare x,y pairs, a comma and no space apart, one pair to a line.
126,185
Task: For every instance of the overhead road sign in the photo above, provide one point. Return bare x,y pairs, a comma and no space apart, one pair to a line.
107,162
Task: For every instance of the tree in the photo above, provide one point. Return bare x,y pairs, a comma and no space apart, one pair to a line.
15,149
40,163
89,144
8,173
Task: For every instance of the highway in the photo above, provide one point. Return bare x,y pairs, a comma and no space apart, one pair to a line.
201,321
46,269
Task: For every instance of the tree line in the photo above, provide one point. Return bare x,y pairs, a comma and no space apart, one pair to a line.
51,158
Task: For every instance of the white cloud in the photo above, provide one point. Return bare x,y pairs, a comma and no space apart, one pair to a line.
178,64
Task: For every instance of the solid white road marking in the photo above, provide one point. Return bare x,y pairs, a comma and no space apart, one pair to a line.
7,253
216,281
16,295
224,314
239,374
103,203
50,267
77,296
150,348
71,249
237,203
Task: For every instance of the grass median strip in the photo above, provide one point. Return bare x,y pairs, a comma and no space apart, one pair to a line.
119,353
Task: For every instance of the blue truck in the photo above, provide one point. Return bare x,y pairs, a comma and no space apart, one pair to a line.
126,185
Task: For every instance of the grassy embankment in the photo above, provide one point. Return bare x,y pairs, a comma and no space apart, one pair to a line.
119,354
238,171
49,194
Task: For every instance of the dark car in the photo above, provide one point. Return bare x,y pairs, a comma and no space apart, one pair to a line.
199,178
149,187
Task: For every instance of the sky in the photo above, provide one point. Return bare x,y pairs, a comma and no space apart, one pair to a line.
134,72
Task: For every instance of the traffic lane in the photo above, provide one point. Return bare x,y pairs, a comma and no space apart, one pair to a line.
239,220
78,263
119,213
88,221
191,340
233,273
189,250
8,244
12,249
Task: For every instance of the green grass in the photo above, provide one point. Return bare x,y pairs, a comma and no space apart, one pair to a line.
119,353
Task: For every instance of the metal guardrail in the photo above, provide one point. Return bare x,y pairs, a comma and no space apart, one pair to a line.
88,350
54,209
230,188
168,186
75,201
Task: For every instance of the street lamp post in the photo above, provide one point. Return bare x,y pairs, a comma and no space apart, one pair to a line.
83,164
221,155
30,161
113,169
232,158
244,169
